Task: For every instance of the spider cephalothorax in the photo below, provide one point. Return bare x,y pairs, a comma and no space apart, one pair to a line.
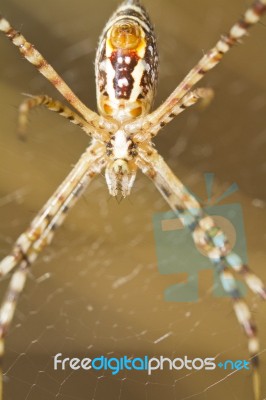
120,172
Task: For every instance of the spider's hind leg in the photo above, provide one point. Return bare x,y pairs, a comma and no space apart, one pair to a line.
30,53
155,123
208,61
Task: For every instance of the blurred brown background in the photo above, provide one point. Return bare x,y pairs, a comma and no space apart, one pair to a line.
75,302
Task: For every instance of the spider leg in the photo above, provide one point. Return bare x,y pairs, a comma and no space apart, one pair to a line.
40,234
34,57
213,241
88,165
207,62
37,245
151,127
56,106
206,233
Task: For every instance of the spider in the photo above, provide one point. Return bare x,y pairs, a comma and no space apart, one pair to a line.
121,143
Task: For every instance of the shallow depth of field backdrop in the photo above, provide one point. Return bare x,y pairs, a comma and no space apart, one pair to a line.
75,301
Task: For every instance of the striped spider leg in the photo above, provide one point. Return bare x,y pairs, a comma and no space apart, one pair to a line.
213,242
173,105
41,231
126,78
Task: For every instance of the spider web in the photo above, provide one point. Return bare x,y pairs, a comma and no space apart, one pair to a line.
97,290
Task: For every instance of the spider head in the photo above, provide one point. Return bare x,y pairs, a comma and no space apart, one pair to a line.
121,169
126,64
120,175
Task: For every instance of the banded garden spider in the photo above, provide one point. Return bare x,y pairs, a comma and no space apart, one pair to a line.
122,143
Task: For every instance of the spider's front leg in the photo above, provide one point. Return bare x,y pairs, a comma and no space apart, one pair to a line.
206,234
27,245
212,240
41,231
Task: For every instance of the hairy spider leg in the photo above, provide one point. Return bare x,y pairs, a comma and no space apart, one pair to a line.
149,131
212,240
40,233
58,107
163,114
34,57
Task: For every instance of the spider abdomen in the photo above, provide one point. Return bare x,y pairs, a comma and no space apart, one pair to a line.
126,64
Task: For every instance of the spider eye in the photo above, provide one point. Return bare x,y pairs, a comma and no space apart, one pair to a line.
125,35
